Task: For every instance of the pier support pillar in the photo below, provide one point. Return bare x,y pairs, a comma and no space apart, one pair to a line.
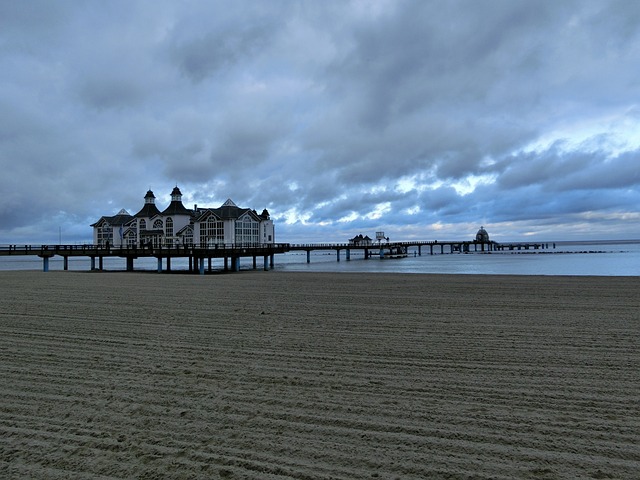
93,263
168,264
442,248
338,254
348,254
209,264
266,263
419,250
45,264
159,264
235,264
431,248
100,263
129,264
254,262
381,252
271,259
226,264
201,269
308,256
65,262
366,254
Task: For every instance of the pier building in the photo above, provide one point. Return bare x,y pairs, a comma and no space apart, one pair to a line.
178,225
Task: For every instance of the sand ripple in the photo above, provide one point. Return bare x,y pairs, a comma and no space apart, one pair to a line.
270,375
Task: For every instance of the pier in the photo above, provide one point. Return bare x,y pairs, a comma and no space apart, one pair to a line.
198,255
433,247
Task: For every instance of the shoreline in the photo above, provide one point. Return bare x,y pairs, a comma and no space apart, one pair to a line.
318,375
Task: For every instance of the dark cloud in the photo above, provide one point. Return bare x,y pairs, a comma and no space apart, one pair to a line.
341,117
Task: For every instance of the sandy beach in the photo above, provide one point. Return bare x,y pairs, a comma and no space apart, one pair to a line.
273,375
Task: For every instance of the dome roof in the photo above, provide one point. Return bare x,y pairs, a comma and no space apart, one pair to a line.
482,235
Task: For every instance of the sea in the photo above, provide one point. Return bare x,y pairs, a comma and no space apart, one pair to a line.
604,258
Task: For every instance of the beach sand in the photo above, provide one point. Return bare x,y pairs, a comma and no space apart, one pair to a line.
273,375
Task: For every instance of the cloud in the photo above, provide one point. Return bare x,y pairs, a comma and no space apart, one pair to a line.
339,117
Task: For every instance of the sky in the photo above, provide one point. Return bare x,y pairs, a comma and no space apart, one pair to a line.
423,119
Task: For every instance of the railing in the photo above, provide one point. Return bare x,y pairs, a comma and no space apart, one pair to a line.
124,249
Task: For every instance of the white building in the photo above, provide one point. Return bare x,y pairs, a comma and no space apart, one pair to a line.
178,225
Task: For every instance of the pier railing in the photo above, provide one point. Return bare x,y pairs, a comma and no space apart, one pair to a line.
142,250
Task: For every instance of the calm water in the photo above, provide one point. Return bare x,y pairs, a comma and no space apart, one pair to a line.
610,259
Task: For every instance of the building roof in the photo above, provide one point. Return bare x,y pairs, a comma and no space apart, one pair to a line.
121,218
482,235
148,210
176,208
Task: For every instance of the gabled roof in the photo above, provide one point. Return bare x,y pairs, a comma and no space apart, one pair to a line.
230,211
121,218
185,229
204,213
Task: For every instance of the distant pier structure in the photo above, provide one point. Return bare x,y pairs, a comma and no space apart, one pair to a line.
481,243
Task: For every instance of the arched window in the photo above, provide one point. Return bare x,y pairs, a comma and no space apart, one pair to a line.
169,227
212,231
157,225
247,230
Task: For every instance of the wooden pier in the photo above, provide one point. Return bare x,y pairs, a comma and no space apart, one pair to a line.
197,255
378,250
200,257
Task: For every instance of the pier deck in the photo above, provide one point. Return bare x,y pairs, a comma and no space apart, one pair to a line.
196,254
443,247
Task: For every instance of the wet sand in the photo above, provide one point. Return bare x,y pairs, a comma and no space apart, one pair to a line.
273,375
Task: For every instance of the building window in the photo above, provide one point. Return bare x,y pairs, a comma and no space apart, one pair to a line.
247,231
157,225
169,227
105,234
212,232
143,224
187,237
